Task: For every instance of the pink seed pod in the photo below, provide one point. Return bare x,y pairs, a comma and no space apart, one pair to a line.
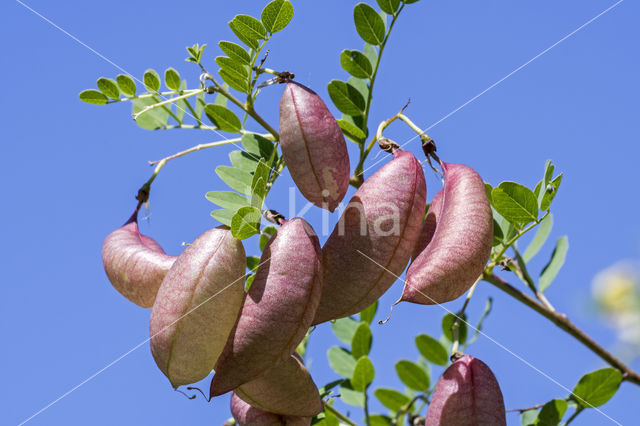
286,389
246,415
467,394
374,238
197,306
313,147
278,309
461,244
135,264
429,225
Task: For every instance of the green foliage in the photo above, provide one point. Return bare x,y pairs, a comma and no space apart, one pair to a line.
369,24
361,341
413,375
92,96
597,387
447,322
151,80
153,119
346,98
344,329
223,118
228,200
252,263
350,396
552,268
363,374
389,6
233,67
544,229
432,350
108,87
126,84
392,399
248,29
368,314
341,361
276,15
515,202
236,179
246,222
235,51
172,79
552,412
352,131
195,53
356,63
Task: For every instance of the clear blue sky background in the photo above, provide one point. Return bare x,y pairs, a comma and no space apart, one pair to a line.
70,171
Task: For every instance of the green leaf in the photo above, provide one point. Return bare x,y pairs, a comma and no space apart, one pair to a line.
515,202
369,24
371,53
223,118
341,361
223,216
234,80
548,172
250,279
237,179
233,66
269,230
539,239
326,389
259,184
351,131
487,310
529,417
597,387
235,51
361,86
326,418
126,84
172,79
246,222
432,349
389,6
379,420
253,262
109,87
183,104
369,313
344,328
346,98
276,15
195,53
257,145
262,242
350,396
243,161
248,29
361,342
363,374
498,236
552,268
227,199
356,63
447,322
392,399
552,412
412,375
488,188
410,1
152,119
199,105
220,98
92,96
151,80
550,192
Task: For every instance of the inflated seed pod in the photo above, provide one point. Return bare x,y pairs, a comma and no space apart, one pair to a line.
197,306
373,240
286,389
246,415
135,264
461,244
278,309
429,224
313,147
467,394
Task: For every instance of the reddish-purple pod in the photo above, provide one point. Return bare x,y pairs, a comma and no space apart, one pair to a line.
247,415
461,244
278,309
429,224
286,389
197,306
313,147
467,394
374,238
135,264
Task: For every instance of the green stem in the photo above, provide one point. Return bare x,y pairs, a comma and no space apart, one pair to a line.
168,110
168,101
575,414
203,146
366,408
339,415
562,322
514,239
455,327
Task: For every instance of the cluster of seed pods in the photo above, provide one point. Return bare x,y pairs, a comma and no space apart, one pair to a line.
203,319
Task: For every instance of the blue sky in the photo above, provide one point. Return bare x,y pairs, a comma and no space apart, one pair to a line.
70,172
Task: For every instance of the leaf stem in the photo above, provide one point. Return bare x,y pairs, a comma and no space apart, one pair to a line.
515,238
168,110
339,415
574,415
168,101
366,408
455,327
562,322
